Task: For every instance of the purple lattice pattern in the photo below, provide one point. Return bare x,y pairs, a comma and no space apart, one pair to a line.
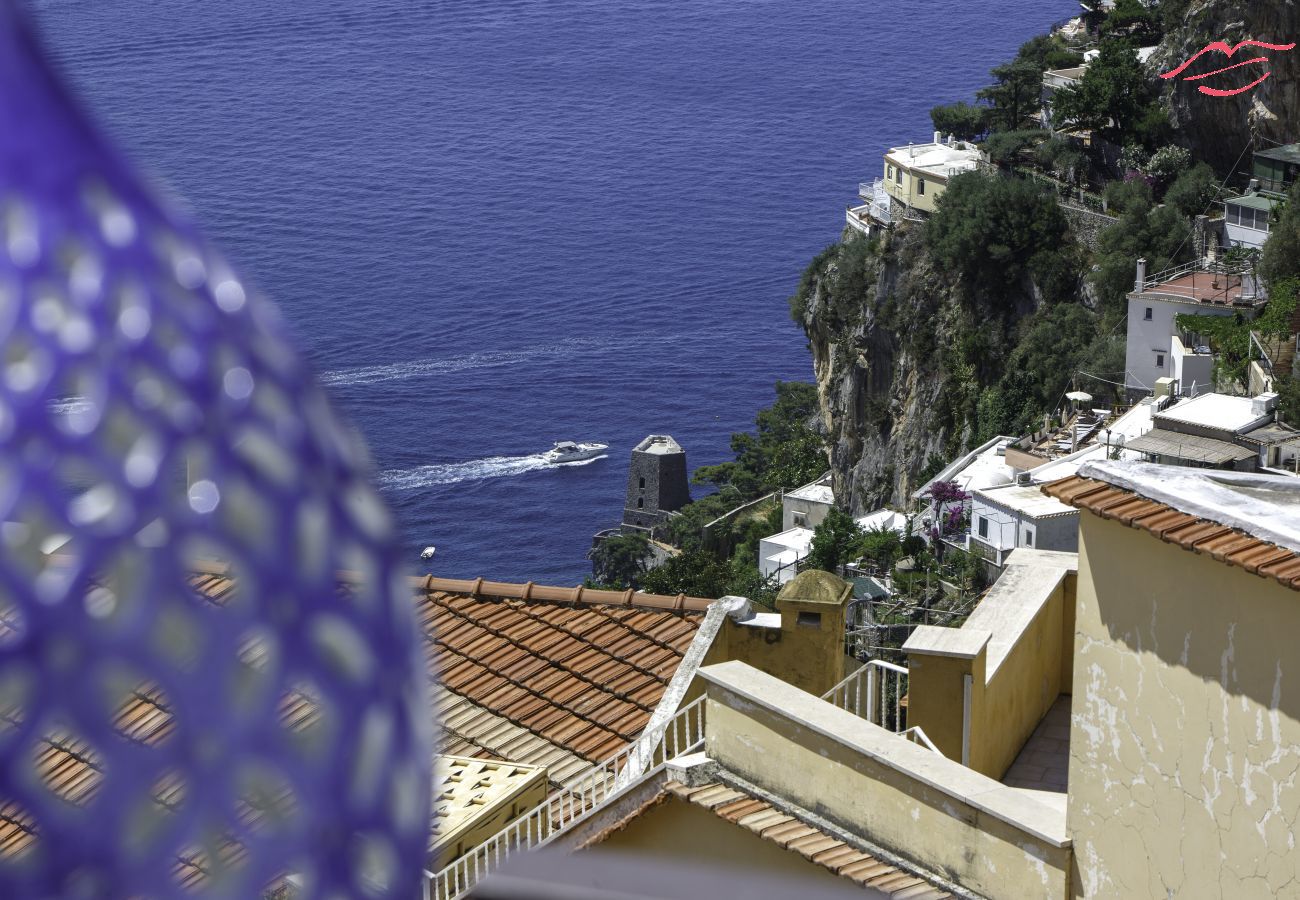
193,700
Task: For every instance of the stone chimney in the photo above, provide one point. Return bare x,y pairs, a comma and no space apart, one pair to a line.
1139,283
1200,236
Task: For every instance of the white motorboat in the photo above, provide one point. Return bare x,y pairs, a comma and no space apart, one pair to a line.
569,451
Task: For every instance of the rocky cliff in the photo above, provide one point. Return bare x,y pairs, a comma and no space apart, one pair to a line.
885,330
1218,129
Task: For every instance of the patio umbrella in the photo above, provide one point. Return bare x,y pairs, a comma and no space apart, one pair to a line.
1080,396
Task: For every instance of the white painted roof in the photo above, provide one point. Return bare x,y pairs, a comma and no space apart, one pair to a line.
1216,411
1025,499
816,493
935,159
798,539
883,518
1264,506
982,467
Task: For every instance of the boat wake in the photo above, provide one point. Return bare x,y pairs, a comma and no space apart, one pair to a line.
472,470
420,368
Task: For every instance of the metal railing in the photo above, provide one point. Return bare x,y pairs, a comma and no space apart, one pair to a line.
917,736
576,800
874,692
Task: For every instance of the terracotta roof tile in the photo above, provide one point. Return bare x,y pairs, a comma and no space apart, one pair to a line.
584,675
786,830
562,679
1227,545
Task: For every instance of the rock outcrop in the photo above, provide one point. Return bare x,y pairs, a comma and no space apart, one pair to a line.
883,326
1218,129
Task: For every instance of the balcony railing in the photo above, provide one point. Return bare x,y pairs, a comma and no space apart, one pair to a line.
577,800
874,692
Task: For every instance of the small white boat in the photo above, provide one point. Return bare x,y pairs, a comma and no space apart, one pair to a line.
569,451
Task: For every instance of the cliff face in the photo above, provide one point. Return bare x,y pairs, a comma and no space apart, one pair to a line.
1217,129
883,326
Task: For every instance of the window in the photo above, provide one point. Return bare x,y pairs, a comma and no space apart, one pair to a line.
640,502
889,172
1160,360
1147,317
809,620
1234,214
800,519
984,527
920,186
642,480
1029,537
898,176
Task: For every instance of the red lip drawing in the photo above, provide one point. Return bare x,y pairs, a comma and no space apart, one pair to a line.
1223,48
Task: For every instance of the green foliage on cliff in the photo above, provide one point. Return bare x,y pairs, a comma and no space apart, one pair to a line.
1160,234
962,120
1116,98
1014,96
1281,257
785,452
619,560
991,232
835,541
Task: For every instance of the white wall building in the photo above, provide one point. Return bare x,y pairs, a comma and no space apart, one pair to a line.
806,507
1154,303
779,554
1020,515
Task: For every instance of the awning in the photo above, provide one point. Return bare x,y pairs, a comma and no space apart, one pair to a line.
1189,446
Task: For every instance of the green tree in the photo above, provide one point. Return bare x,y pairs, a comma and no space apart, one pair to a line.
835,541
1193,191
1281,257
1133,20
620,560
883,546
993,231
1052,344
962,120
1014,95
785,452
696,573
1159,234
1112,97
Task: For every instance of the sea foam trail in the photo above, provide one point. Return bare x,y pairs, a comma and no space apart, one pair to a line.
471,470
481,360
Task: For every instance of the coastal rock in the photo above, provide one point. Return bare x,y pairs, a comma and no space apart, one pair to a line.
883,325
1219,129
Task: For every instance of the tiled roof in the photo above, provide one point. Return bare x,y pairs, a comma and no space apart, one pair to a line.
1227,545
555,677
581,670
792,833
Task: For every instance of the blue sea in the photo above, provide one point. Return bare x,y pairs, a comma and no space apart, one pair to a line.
493,225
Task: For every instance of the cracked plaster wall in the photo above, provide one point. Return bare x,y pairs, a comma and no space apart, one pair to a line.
1185,732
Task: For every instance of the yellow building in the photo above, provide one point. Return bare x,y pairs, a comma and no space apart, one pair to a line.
1185,735
916,175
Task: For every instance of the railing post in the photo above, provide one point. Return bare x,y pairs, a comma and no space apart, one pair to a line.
871,694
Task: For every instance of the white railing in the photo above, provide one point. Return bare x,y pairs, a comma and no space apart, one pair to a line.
578,799
873,692
917,736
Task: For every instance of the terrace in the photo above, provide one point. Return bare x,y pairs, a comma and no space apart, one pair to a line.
1204,282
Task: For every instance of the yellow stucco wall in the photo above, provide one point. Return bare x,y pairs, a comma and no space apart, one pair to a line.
809,656
1185,735
1017,647
883,787
1020,692
906,191
678,831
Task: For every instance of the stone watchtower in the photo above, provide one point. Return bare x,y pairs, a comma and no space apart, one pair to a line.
656,483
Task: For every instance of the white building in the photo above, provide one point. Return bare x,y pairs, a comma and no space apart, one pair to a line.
1020,515
1247,219
1223,432
806,507
1154,303
779,554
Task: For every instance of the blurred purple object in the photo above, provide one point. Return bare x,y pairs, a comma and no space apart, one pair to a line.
194,701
